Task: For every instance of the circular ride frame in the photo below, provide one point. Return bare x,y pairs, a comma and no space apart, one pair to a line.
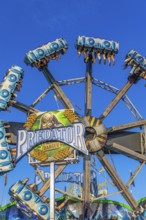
94,145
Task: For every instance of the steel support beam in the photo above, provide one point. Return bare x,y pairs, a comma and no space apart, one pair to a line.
71,81
116,179
115,100
41,96
46,185
52,191
24,108
125,151
88,112
138,169
125,98
65,193
58,91
105,196
127,126
67,104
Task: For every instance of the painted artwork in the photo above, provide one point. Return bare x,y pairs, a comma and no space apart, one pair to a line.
52,151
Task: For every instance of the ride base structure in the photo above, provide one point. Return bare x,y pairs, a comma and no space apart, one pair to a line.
62,137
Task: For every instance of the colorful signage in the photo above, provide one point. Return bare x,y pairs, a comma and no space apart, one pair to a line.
51,136
71,177
75,177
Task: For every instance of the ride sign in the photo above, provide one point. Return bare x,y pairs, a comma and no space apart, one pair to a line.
52,137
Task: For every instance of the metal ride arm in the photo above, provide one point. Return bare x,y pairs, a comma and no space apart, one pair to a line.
37,171
125,98
46,185
100,84
71,81
128,183
88,112
126,126
108,50
65,193
105,196
57,47
66,103
58,91
125,151
41,96
94,145
115,101
99,152
116,179
92,48
24,108
135,174
138,70
134,77
40,57
60,83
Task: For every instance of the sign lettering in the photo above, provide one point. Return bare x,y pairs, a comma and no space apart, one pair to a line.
70,135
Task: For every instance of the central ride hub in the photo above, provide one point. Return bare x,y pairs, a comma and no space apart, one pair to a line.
95,131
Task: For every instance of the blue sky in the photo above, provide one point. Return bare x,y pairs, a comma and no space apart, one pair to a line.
24,25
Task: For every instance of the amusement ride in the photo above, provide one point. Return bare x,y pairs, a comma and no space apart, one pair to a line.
57,138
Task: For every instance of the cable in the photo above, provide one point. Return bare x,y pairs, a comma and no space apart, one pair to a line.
112,159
